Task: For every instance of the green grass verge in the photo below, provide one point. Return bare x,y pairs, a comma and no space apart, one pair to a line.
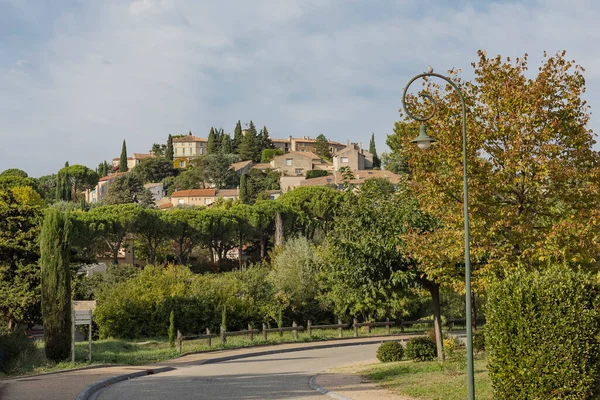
432,380
149,350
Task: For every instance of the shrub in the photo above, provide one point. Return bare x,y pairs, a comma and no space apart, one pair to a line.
479,341
268,154
315,173
12,346
449,346
541,333
390,351
172,330
421,348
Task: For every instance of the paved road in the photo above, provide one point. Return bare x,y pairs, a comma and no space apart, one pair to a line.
280,376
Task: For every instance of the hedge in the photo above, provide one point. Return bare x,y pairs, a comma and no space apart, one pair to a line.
541,335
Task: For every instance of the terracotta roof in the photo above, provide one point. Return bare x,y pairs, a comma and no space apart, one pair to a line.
309,140
164,206
189,138
228,192
274,191
280,140
240,165
308,154
359,178
195,193
111,176
262,166
142,155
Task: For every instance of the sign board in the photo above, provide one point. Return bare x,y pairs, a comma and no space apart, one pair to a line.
82,315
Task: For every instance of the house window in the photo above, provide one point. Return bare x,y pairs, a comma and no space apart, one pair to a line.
344,160
201,150
207,201
181,164
180,201
299,171
288,162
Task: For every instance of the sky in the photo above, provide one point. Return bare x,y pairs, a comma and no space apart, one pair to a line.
79,76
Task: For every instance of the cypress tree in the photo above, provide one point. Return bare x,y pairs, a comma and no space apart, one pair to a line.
265,140
373,150
123,161
226,144
56,284
237,137
250,147
322,147
169,151
211,145
244,195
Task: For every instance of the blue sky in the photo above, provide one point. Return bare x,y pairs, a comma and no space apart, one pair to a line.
79,76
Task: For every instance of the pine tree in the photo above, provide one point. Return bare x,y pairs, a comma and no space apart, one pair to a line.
226,144
250,147
169,151
244,195
123,161
211,146
322,147
56,284
373,150
237,137
219,133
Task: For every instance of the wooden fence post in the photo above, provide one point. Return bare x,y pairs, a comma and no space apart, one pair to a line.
265,332
369,328
339,328
209,338
251,333
355,328
223,336
387,326
402,326
179,340
90,339
308,326
295,331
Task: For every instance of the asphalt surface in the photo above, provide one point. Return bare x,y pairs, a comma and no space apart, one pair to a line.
278,376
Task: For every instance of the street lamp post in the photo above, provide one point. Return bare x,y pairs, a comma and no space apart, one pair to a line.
424,141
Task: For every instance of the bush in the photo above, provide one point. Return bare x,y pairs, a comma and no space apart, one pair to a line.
12,346
390,351
479,341
421,348
541,333
315,173
268,154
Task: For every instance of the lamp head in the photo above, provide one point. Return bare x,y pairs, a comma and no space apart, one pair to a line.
423,140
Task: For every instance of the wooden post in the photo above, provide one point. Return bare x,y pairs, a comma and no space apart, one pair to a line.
73,336
179,340
90,339
209,338
223,336
251,333
265,332
355,328
308,327
387,326
339,328
295,331
402,326
369,328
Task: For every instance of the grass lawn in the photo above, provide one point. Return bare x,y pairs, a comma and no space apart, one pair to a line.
149,350
432,380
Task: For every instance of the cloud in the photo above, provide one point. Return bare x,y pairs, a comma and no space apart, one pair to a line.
78,77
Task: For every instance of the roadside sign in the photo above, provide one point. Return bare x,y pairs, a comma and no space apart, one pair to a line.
81,317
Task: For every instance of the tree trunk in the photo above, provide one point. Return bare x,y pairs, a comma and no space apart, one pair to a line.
263,246
434,290
278,230
116,249
241,250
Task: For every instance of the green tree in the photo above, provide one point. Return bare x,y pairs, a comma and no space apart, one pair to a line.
264,140
373,150
211,145
154,169
184,232
268,154
249,148
158,150
151,230
226,145
220,228
116,222
47,187
56,284
77,178
19,253
192,178
169,149
14,172
123,160
128,188
237,137
217,171
244,195
322,147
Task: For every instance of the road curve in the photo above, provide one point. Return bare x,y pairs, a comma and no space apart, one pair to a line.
276,376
